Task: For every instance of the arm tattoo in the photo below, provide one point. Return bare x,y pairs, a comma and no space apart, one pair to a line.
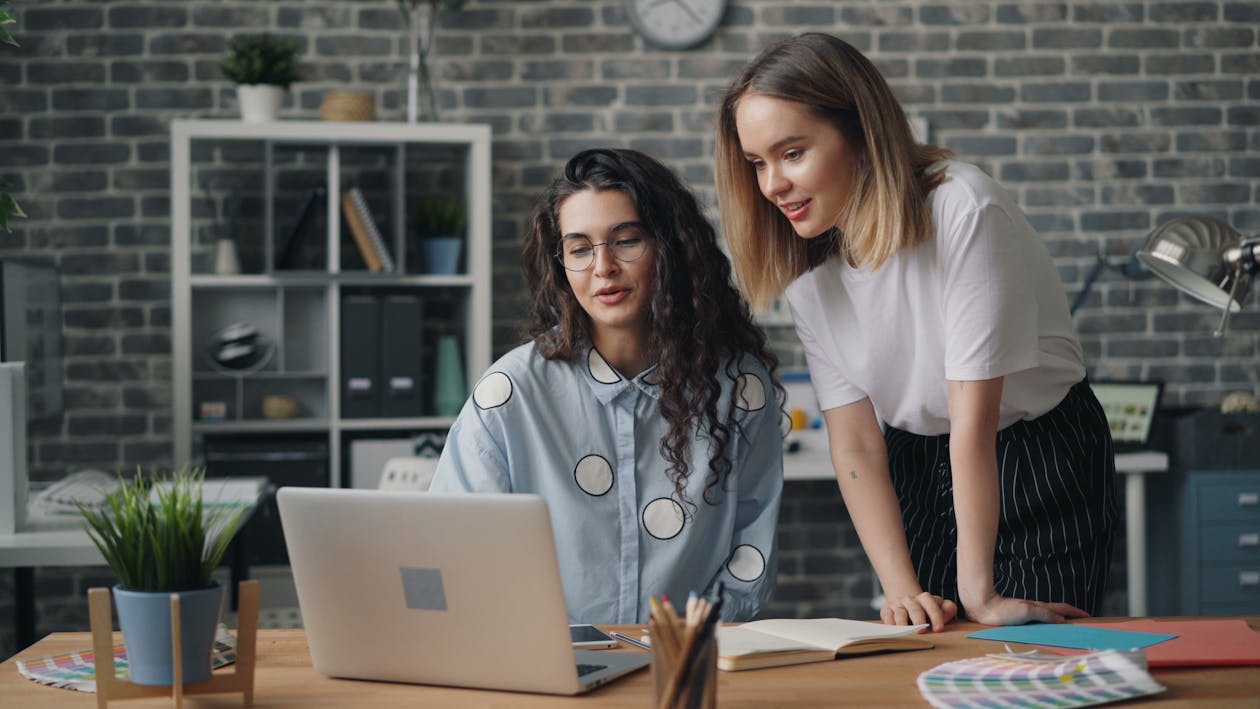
853,474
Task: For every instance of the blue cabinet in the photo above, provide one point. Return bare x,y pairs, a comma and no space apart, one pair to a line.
1220,542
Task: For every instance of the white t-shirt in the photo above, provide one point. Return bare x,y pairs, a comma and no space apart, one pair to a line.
979,300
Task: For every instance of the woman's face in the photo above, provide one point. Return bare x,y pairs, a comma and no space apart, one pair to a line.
615,294
804,165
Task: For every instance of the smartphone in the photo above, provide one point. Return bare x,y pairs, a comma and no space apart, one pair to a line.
588,636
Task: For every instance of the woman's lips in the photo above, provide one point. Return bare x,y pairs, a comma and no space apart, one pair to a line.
795,211
612,296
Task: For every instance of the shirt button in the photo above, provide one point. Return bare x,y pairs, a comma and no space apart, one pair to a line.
629,388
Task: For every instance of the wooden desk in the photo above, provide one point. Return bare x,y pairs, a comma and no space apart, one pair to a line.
285,678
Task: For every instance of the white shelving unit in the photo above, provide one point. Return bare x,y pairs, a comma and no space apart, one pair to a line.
259,168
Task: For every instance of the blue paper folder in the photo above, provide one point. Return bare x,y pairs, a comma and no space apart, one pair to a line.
1077,636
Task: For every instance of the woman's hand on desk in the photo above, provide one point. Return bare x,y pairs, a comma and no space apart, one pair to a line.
919,609
999,610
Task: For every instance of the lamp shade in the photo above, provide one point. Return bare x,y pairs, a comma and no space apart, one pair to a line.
1191,254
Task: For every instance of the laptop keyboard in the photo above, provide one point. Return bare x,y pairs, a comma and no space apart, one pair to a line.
584,670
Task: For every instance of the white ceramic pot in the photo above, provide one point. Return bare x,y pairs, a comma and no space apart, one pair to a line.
259,102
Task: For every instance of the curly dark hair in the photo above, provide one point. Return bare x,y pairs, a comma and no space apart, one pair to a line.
699,323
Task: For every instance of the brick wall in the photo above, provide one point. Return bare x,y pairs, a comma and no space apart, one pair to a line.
1103,119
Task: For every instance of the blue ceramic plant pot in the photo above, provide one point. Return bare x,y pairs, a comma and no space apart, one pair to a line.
145,618
441,254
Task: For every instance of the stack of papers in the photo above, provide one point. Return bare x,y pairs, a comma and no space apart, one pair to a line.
77,671
1037,679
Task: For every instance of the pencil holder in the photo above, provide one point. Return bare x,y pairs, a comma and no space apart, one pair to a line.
685,680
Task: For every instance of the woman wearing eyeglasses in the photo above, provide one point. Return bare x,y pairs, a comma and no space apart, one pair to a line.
643,407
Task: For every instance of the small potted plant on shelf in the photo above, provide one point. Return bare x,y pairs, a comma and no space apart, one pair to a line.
440,222
262,66
159,539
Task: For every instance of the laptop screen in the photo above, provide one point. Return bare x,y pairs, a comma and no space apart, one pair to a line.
1130,408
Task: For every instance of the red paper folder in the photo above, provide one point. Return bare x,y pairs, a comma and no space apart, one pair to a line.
1199,643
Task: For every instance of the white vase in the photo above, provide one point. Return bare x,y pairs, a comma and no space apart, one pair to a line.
226,260
259,102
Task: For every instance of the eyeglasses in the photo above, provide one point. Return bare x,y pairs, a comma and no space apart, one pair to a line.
577,253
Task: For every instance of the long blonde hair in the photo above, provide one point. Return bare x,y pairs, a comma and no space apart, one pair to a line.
888,209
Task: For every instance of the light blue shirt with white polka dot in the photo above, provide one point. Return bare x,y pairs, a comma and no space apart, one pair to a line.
587,440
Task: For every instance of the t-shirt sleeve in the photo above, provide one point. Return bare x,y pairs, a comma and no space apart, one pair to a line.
989,299
831,386
472,459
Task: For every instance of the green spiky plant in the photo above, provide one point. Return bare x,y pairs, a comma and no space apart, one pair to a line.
8,206
171,543
261,59
439,216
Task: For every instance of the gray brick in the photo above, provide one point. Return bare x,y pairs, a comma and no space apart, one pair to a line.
670,148
564,148
1243,115
1211,141
990,40
137,126
1244,167
1135,143
1028,66
808,15
90,153
1188,167
1058,92
643,122
1111,323
1246,11
471,70
977,93
1143,38
1221,193
132,16
1114,221
913,42
1180,64
1022,119
660,95
1103,64
65,72
35,19
909,95
708,68
879,15
44,128
505,97
1028,171
1106,117
145,72
1066,38
559,17
232,18
1210,37
1022,12
113,44
353,45
1058,145
657,69
1132,91
960,119
558,123
1059,197
596,43
95,207
572,96
473,18
1207,90
950,68
954,14
513,44
174,98
1192,116
1183,11
890,68
1137,194
1108,12
1247,64
1143,347
80,99
981,145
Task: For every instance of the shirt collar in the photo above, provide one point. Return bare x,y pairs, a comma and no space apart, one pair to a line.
607,383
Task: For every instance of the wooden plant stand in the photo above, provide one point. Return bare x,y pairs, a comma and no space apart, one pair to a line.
239,679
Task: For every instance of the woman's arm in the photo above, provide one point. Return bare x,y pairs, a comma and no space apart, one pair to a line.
861,463
973,422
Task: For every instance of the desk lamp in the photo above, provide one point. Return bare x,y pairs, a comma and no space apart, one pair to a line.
1206,259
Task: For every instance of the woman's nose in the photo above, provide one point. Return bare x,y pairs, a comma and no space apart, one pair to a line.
773,182
605,262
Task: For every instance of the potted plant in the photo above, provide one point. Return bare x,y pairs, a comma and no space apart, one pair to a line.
440,222
8,206
160,540
262,66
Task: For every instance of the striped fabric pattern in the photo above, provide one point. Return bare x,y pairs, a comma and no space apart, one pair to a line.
1059,505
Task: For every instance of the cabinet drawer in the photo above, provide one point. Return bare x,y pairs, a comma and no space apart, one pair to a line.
1230,584
1232,542
1232,500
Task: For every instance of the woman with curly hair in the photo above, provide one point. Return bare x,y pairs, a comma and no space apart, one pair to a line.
643,408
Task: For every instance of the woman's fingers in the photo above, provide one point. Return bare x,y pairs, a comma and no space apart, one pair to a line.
924,609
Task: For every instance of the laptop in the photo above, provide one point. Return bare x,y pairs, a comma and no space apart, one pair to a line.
1131,408
461,590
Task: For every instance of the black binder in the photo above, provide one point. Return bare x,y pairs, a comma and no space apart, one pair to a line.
400,356
360,362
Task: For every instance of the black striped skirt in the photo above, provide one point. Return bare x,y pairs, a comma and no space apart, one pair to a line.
1059,507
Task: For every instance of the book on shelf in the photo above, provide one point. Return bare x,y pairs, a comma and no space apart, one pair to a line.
287,250
366,234
792,641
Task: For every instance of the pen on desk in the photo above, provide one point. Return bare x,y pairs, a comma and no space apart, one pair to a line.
630,641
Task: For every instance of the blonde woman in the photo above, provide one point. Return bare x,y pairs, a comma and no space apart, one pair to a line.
925,301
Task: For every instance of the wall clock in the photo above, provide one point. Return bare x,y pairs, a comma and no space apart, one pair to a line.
675,24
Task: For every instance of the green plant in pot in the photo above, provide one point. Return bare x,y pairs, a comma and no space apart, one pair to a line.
159,539
8,206
262,66
440,222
